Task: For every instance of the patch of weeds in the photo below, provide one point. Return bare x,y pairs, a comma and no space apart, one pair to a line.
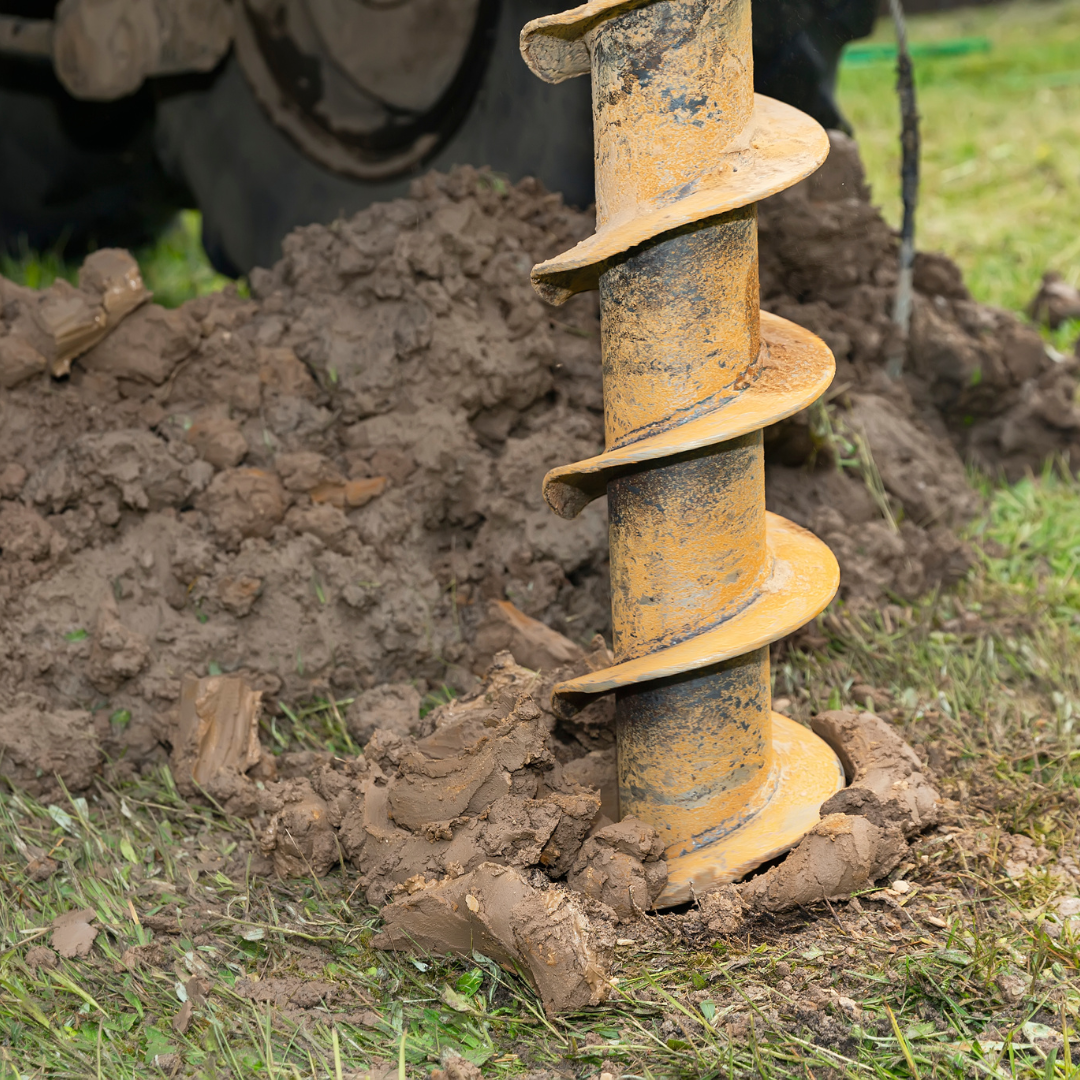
316,725
37,269
1034,529
1064,339
176,268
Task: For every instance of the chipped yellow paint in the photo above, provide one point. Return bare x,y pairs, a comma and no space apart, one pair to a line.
702,578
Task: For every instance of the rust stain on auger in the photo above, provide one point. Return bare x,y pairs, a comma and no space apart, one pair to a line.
702,578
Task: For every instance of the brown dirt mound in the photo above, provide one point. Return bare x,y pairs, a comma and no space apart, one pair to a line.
979,387
323,487
483,830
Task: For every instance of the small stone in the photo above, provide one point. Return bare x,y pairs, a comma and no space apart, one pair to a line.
218,440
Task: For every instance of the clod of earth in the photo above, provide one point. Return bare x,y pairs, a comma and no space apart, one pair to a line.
1056,301
840,855
39,744
72,933
533,644
41,956
217,731
861,835
621,865
49,329
561,938
393,707
454,1068
886,782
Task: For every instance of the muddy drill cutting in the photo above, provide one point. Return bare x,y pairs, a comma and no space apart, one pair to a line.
703,579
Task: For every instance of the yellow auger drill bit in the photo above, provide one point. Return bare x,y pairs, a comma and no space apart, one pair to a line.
702,577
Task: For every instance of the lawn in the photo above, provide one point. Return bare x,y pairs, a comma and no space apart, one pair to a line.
1000,186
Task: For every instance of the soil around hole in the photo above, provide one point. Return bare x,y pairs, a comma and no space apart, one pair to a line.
332,490
322,489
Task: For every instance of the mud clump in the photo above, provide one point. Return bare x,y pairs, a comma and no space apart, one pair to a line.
475,836
45,331
468,833
864,827
483,785
839,856
561,938
39,744
886,783
393,707
621,865
73,933
216,737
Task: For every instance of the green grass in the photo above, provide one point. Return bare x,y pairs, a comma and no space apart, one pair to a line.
1000,187
987,678
175,268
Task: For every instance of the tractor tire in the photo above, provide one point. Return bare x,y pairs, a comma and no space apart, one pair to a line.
254,185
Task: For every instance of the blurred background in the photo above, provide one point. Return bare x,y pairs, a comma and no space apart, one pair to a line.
999,96
998,93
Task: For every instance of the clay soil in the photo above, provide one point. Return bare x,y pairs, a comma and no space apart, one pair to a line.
323,487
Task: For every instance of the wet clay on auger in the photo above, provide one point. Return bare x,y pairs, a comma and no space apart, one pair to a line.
864,827
462,834
480,816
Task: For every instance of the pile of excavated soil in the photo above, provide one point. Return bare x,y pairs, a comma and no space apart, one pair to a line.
320,488
323,488
979,387
489,824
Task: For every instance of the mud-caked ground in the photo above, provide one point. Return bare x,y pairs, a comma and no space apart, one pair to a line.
322,488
